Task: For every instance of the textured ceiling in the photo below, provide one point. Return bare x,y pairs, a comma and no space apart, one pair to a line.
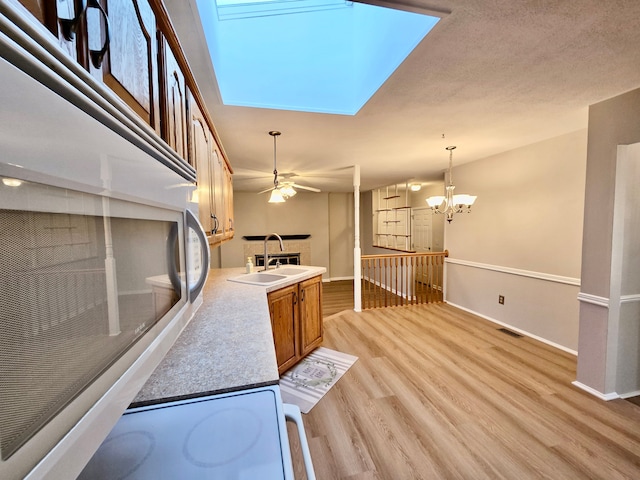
492,75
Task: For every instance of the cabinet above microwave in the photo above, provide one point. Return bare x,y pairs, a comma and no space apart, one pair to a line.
120,62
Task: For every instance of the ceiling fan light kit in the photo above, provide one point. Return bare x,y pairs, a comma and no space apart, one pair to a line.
276,196
450,203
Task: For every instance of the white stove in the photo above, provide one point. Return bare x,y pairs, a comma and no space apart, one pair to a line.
241,435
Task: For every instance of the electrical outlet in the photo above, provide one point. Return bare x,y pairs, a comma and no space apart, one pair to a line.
501,299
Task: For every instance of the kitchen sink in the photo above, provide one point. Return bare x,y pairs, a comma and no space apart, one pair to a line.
289,271
270,277
258,278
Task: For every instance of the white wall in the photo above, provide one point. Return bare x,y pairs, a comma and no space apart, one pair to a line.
609,361
624,300
523,238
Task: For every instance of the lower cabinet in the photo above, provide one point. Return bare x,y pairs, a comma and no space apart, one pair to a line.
296,321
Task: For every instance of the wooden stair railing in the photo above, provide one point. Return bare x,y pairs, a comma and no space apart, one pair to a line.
402,279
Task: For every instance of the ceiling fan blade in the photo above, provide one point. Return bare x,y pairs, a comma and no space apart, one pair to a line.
265,191
311,189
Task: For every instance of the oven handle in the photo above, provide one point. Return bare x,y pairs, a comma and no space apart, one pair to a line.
292,412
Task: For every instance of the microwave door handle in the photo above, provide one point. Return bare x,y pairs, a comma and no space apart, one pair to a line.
194,224
172,268
292,412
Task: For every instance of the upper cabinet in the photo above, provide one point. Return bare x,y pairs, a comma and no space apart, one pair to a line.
175,122
121,49
215,189
130,47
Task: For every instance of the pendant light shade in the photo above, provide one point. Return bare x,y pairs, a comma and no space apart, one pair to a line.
450,203
276,196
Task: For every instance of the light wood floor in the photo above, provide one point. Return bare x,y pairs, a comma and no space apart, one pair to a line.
441,394
336,297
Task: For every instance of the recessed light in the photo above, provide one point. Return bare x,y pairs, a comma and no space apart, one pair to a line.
12,182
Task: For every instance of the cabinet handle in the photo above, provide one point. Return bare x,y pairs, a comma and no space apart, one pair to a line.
98,55
302,295
295,298
216,224
68,26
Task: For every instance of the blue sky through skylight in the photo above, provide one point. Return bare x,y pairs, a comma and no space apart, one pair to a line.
323,56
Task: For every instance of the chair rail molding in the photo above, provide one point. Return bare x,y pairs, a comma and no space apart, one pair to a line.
516,271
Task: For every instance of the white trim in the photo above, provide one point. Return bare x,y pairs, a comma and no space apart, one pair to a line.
629,394
336,279
517,330
593,299
630,299
516,271
602,396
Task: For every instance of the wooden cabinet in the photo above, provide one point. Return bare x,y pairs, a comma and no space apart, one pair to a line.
200,157
62,17
310,314
296,321
130,46
129,63
174,116
215,187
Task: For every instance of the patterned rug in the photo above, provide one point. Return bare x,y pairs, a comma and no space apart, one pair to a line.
306,383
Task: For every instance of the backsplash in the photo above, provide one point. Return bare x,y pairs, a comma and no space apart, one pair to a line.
303,247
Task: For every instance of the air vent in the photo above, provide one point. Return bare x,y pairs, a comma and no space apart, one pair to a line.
510,333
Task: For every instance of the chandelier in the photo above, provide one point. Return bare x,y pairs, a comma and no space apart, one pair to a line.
450,203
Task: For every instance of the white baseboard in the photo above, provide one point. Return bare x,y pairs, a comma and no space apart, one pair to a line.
602,396
629,394
337,279
517,330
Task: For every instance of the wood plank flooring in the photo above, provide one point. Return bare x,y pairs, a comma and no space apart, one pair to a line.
336,297
438,393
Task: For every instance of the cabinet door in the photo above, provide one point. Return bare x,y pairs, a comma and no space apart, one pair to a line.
129,65
283,308
200,157
174,129
310,314
218,179
63,18
228,202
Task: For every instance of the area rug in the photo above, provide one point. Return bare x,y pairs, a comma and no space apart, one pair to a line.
306,383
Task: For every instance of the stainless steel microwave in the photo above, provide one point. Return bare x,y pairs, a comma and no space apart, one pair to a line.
101,264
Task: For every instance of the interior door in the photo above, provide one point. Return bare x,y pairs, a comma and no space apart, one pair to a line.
421,238
421,234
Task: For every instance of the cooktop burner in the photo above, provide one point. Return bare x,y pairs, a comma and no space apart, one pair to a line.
215,429
230,436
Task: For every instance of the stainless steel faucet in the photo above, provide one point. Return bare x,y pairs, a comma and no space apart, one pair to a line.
266,254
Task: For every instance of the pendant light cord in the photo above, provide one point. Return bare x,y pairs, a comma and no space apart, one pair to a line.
274,134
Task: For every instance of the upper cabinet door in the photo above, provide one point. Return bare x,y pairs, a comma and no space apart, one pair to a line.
63,18
122,51
174,129
200,158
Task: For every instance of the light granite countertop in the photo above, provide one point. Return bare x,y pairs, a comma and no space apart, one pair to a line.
227,345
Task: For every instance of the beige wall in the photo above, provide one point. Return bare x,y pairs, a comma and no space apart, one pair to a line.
523,238
327,217
341,235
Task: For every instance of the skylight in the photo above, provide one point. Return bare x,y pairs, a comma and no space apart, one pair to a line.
326,56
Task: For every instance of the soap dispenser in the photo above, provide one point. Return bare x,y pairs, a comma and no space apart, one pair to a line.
249,265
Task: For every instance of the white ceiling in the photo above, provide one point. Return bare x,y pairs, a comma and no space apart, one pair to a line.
492,75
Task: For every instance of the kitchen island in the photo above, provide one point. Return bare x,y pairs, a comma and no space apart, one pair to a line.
227,346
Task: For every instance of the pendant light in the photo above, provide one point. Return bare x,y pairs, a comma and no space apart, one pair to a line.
450,203
276,194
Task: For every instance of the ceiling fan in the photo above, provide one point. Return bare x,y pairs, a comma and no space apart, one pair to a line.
285,189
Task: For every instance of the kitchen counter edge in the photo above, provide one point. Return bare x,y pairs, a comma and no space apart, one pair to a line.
227,345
